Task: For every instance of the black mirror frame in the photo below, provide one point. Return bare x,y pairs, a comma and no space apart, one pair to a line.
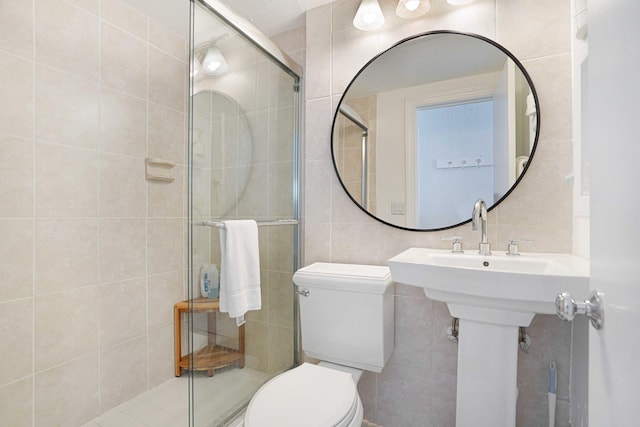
515,184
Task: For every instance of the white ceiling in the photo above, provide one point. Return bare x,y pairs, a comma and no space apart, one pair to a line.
269,16
274,16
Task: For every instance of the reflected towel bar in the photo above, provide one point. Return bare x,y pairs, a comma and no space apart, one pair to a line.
220,224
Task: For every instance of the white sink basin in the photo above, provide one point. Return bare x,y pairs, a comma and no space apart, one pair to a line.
518,285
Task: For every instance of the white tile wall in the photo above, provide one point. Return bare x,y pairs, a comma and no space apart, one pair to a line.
17,107
16,333
123,372
67,394
16,194
123,61
66,38
85,323
19,411
16,259
64,98
17,39
122,311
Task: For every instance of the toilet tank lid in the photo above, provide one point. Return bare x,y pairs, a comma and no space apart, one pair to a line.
374,279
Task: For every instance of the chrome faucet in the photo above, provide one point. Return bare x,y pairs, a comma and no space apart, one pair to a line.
480,213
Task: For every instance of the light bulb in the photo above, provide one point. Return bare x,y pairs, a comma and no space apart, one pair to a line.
212,66
369,16
412,5
409,9
214,62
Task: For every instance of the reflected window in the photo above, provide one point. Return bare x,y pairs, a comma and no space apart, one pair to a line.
454,149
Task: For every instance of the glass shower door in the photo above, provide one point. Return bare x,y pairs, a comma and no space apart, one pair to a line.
243,165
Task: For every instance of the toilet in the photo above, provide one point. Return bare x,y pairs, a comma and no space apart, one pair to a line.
346,320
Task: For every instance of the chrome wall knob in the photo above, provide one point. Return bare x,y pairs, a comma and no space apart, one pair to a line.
567,308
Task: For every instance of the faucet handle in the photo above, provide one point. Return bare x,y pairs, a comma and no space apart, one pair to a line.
457,244
512,248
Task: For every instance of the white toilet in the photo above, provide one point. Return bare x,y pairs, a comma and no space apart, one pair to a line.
347,323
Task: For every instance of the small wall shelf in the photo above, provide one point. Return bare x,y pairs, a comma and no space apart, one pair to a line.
159,169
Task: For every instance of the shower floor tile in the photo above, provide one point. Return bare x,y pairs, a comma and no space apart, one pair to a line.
215,399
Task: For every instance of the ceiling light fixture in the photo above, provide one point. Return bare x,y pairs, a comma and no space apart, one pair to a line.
412,8
459,2
369,16
214,62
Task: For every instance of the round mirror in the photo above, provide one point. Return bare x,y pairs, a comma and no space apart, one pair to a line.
431,125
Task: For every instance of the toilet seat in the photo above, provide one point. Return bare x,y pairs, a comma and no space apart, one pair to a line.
309,396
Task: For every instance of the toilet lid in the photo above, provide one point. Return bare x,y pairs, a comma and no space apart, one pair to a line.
309,396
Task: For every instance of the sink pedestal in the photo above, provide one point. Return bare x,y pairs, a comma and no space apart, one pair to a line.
487,365
487,370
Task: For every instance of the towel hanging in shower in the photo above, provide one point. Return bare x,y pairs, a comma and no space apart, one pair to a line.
239,269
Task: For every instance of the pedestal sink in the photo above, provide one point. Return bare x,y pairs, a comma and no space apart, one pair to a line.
492,296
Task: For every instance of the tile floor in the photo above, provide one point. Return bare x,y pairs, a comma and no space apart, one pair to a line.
216,400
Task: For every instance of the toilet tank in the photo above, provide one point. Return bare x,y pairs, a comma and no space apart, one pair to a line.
347,317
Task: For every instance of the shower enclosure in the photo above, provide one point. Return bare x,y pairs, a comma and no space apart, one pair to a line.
93,209
243,164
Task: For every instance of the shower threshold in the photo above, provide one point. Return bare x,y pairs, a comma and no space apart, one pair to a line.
167,405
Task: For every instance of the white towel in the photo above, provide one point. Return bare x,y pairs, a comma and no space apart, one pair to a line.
239,269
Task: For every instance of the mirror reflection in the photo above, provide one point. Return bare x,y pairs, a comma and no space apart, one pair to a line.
221,142
433,124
